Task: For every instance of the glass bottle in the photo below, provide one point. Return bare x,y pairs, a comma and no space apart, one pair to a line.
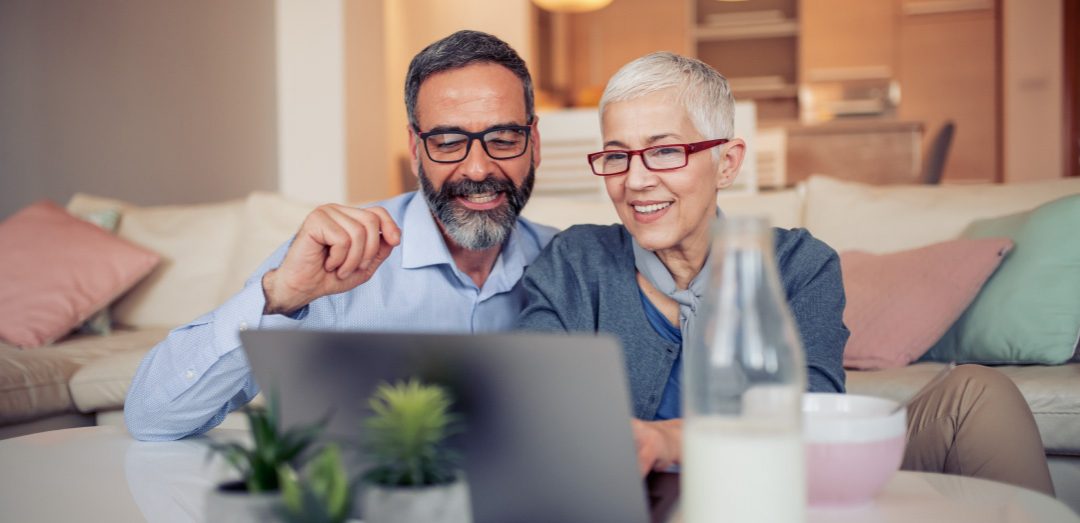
744,377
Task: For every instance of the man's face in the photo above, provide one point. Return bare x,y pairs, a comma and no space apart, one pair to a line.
478,199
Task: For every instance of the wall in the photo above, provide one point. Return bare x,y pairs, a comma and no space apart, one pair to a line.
310,50
368,165
1032,84
151,101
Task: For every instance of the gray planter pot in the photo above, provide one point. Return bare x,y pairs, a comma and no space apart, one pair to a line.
438,504
235,505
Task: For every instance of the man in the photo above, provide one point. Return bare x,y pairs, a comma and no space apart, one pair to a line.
447,258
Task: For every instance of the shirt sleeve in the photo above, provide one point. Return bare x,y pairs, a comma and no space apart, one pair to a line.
552,301
188,383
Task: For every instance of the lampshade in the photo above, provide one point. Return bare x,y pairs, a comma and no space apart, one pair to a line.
571,6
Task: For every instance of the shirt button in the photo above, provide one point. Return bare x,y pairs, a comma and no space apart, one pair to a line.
189,374
243,326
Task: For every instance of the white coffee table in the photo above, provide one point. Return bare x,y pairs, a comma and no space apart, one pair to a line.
101,474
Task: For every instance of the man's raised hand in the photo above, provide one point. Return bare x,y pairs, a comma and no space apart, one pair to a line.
337,249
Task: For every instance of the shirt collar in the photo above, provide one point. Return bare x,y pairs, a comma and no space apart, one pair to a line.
422,242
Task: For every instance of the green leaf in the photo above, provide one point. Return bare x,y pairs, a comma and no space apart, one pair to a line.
407,432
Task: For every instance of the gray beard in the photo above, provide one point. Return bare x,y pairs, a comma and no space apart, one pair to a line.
477,230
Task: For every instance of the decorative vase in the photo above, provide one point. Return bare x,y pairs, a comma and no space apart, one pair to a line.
231,502
435,504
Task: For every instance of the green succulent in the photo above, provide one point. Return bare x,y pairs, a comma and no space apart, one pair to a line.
322,494
406,436
272,447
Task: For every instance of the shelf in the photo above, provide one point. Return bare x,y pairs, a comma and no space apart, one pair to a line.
778,29
757,93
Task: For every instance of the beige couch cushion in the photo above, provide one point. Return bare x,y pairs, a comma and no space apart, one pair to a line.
1053,392
564,212
782,208
879,219
34,383
103,384
195,242
269,220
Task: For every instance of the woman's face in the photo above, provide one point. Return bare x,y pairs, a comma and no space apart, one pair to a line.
665,209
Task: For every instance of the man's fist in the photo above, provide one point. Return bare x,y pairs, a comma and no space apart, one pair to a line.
337,249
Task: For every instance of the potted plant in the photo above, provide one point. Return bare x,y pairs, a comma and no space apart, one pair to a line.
415,476
322,494
256,496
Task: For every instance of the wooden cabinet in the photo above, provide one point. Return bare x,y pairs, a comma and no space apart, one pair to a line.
871,151
943,54
846,39
756,46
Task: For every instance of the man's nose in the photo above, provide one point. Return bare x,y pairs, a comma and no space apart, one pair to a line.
477,165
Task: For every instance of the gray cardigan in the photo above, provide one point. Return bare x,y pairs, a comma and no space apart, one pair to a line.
585,281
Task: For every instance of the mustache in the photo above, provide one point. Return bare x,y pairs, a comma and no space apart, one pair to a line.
467,187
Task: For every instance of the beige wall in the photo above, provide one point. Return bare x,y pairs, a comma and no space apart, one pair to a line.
1032,84
367,162
153,101
310,52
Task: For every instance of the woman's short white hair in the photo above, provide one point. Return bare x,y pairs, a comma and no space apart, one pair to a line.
699,88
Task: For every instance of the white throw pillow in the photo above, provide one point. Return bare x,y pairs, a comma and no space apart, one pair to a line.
196,243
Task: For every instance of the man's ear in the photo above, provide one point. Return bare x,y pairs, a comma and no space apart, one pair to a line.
731,158
535,142
414,151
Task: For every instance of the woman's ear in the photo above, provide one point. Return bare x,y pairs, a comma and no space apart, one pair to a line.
731,158
535,141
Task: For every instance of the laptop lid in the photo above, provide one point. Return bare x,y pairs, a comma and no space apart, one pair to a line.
546,418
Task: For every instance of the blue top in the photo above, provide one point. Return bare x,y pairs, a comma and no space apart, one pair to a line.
191,380
586,281
670,401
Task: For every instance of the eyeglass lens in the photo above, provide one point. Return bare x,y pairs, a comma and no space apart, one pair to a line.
656,158
500,144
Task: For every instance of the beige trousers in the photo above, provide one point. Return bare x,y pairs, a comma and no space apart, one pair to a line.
976,423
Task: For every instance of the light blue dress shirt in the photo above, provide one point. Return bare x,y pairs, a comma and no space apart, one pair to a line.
191,380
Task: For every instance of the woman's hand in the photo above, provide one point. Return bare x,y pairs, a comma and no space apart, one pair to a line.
659,444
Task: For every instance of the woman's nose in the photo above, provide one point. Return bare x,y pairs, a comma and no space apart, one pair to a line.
638,177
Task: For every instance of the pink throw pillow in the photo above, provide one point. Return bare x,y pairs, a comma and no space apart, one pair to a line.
57,270
900,304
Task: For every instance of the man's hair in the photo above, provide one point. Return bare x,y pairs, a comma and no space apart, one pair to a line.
459,50
699,88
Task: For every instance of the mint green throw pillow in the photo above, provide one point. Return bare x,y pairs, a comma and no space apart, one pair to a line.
101,322
1029,310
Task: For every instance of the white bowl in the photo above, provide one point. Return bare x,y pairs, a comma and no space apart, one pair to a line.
854,444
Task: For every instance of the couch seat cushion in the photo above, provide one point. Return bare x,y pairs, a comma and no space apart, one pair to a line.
1052,392
34,383
103,383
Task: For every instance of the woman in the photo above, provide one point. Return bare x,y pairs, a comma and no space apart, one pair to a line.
668,149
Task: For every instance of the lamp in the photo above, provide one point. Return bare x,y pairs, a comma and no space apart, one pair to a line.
571,6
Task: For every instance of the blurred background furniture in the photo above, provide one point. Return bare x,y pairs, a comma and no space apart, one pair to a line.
937,154
89,375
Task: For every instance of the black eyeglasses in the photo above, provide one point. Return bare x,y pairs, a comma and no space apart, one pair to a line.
503,142
656,158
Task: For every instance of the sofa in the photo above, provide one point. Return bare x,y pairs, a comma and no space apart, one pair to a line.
209,250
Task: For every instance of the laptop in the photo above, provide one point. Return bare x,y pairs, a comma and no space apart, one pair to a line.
546,418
